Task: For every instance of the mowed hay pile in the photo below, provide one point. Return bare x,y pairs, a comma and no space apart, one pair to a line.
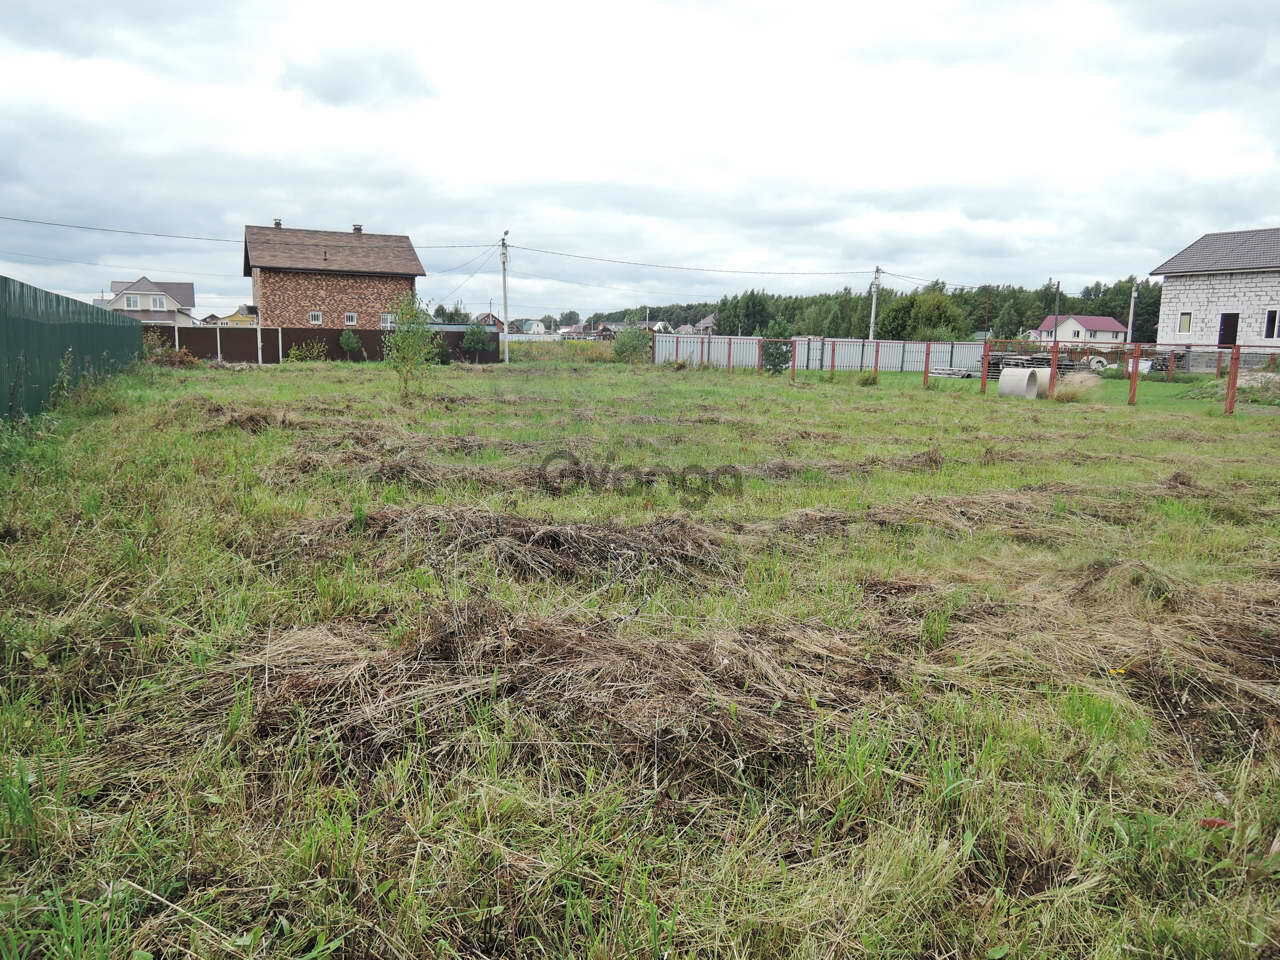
524,546
728,695
718,704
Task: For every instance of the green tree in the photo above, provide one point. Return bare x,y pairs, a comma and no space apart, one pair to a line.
632,345
350,343
777,349
441,312
935,317
412,346
895,320
568,319
475,341
1008,325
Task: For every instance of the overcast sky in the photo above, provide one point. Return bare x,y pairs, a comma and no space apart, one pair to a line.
1083,140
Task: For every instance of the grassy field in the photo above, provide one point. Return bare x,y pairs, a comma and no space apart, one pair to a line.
294,669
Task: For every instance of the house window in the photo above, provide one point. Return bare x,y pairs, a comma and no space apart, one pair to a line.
1271,325
1093,334
1115,334
1076,334
157,303
349,319
1184,323
131,302
316,317
387,321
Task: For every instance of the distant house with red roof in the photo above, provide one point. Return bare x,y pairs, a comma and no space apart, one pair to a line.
1082,330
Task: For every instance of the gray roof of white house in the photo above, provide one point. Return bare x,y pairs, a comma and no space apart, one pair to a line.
1234,252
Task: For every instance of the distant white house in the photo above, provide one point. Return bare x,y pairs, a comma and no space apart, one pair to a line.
534,326
1223,290
1092,331
151,301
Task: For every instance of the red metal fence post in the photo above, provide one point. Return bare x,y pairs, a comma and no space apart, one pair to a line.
986,363
1133,375
793,361
1233,378
1053,368
875,361
928,348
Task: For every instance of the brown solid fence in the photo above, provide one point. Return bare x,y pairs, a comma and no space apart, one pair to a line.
269,344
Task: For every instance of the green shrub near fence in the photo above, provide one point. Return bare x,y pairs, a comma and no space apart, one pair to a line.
48,342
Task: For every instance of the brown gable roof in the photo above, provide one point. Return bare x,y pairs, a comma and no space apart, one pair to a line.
332,251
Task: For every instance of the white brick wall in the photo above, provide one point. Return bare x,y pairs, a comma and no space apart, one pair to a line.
1207,296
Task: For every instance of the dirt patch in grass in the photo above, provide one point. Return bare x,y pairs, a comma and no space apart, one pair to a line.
524,546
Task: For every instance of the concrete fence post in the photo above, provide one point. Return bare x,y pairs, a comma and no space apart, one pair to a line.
175,337
217,335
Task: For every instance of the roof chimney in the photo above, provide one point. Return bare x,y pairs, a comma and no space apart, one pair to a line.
276,224
357,228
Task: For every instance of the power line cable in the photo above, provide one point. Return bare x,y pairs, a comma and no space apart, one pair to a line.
121,266
182,236
465,263
467,280
605,286
669,266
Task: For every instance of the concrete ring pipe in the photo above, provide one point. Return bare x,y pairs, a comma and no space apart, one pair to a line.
1020,382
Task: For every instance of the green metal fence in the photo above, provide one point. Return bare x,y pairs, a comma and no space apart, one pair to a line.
47,339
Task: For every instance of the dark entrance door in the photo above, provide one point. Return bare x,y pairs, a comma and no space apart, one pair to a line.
1227,329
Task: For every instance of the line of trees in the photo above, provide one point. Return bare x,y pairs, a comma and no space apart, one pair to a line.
931,312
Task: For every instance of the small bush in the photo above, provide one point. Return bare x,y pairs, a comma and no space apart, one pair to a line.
475,341
633,345
868,378
350,343
308,351
158,349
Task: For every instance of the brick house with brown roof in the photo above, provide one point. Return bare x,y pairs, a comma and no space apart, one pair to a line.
328,278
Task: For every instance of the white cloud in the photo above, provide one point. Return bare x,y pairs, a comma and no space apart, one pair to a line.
1002,143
